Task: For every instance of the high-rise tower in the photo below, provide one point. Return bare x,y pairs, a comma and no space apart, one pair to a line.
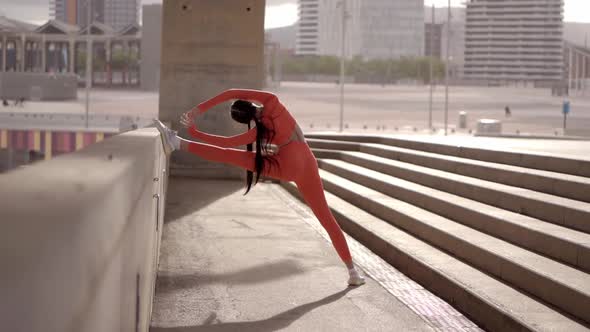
115,13
514,40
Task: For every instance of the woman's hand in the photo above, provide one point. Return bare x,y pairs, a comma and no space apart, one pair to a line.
186,119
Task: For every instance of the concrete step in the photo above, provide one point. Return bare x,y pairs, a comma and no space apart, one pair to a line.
564,185
558,284
568,246
558,210
492,304
547,162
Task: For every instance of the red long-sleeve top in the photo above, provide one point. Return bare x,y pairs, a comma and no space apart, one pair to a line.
274,116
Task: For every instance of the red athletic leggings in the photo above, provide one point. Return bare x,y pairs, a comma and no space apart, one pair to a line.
295,162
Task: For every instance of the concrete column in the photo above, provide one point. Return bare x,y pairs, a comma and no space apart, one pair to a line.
71,56
43,55
126,57
108,54
584,74
4,53
138,70
91,56
201,58
23,43
579,70
570,70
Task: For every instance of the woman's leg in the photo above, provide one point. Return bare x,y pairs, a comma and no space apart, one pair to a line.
235,157
311,188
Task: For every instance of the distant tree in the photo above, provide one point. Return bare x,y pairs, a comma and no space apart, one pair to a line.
375,70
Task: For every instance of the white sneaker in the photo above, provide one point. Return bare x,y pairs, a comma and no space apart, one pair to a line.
355,279
168,136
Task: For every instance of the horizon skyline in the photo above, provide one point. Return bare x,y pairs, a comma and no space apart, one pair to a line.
279,13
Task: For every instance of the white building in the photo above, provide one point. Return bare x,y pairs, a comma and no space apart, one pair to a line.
374,28
307,42
457,36
517,40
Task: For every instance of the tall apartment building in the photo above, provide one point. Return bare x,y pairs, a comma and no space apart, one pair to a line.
115,13
517,40
433,39
97,13
307,40
64,10
121,13
374,29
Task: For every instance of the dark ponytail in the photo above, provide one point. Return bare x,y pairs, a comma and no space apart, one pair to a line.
249,174
245,112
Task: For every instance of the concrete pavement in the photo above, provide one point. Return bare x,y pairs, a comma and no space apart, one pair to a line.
254,263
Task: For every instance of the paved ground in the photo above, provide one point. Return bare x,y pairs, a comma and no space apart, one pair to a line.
316,106
230,262
141,106
533,110
564,148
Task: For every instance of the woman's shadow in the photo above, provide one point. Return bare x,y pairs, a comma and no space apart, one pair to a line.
273,323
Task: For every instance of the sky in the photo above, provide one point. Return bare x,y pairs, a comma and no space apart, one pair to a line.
278,13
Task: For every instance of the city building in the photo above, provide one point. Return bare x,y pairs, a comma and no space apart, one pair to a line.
514,41
64,10
375,29
151,43
57,47
121,13
438,41
433,39
117,14
308,33
97,13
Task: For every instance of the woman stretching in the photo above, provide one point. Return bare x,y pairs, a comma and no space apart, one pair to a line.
293,161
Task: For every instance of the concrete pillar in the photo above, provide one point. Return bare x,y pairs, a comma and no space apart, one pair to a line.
23,49
108,54
126,65
43,55
570,70
579,70
200,58
137,64
4,53
584,74
71,56
90,55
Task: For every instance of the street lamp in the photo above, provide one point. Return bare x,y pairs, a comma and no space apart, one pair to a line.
447,64
342,4
88,55
431,70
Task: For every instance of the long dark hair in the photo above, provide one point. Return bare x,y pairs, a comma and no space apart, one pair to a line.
244,111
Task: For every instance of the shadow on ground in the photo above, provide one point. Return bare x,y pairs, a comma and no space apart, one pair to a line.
274,323
203,192
254,275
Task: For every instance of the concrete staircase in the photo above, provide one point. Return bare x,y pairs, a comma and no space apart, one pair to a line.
502,236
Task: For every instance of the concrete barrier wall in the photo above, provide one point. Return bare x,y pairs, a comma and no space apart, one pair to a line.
80,236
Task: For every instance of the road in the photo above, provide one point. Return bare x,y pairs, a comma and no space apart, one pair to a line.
316,107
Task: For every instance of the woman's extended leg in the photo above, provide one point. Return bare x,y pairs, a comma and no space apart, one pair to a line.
311,188
236,157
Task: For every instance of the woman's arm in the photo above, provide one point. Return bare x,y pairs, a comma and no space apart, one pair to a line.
265,98
223,141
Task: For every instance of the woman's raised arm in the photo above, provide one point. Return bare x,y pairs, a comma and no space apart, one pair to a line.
263,97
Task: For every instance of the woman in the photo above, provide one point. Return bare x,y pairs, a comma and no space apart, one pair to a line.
293,161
